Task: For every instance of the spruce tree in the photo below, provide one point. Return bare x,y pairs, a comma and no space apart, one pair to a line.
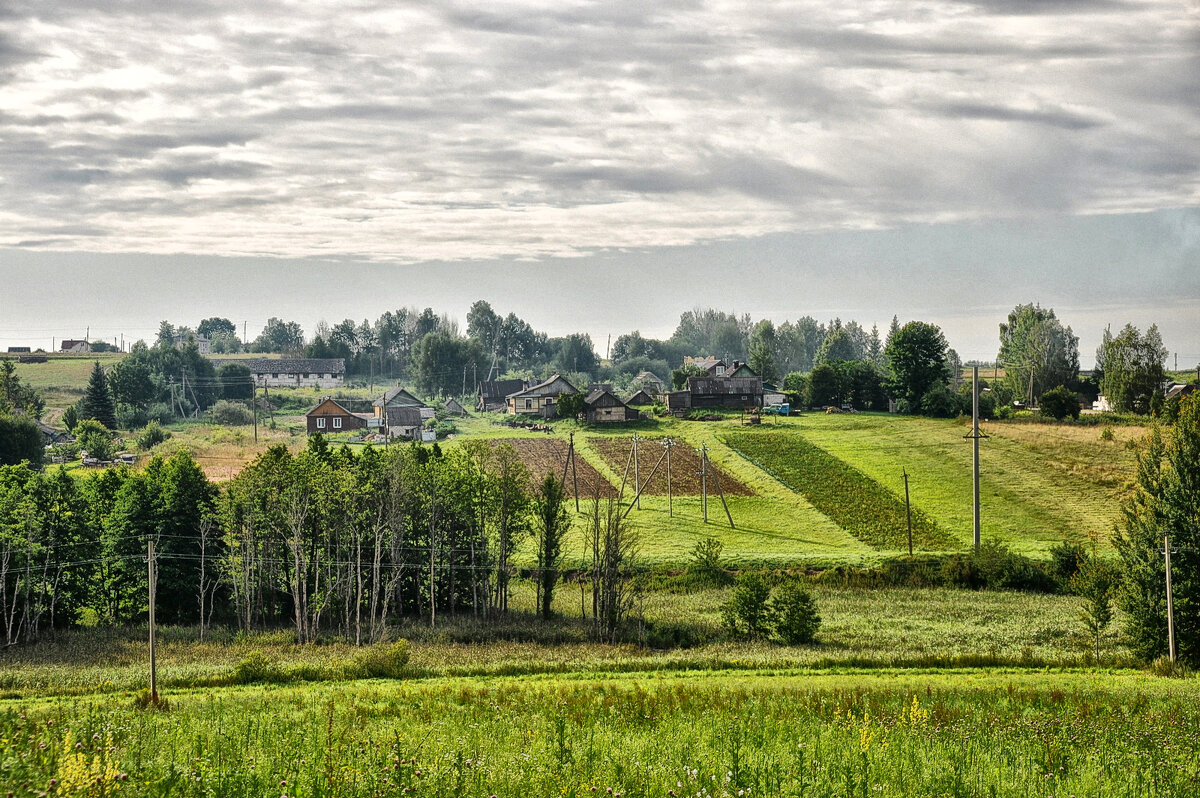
97,401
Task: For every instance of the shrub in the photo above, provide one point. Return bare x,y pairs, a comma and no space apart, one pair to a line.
1060,403
996,567
1065,559
152,435
384,661
70,418
1106,434
257,667
230,414
130,416
939,402
706,560
795,611
747,613
95,439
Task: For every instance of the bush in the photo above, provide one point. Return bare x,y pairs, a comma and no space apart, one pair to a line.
795,611
1060,403
152,435
230,414
70,418
383,661
257,667
747,613
95,439
706,560
1065,559
939,402
160,412
996,567
130,416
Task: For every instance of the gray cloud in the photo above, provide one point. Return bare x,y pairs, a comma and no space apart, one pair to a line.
474,131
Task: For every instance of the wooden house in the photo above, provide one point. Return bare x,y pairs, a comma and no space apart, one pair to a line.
713,365
601,406
452,406
329,416
739,369
493,394
717,392
641,398
401,414
540,399
650,383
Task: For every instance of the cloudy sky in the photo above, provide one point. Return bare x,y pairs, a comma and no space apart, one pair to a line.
601,166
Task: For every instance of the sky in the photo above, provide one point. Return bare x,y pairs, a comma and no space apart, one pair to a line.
600,166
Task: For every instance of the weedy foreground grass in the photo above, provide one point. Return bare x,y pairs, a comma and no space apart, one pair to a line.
720,734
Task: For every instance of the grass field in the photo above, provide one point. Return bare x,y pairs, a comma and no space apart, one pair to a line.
721,733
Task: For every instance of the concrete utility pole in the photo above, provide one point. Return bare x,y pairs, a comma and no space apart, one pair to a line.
1170,600
637,481
975,435
704,481
668,443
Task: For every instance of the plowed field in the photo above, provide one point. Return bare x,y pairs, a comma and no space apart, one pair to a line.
543,455
685,468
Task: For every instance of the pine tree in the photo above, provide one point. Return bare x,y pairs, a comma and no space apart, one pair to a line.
97,401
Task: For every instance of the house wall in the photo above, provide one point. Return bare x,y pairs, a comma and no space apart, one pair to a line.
285,380
331,422
535,406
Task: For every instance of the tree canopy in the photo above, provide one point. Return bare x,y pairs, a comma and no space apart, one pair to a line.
1132,367
97,402
916,355
1037,352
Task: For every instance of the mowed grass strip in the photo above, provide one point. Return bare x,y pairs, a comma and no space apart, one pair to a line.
851,499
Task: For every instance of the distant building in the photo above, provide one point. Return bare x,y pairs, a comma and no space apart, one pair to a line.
329,416
717,392
75,347
203,342
452,406
493,394
292,372
19,349
402,414
540,399
601,406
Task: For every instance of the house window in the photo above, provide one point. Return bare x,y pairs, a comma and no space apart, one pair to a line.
320,423
306,375
337,422
528,404
274,376
720,370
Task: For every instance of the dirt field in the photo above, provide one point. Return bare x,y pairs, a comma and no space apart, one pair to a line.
685,468
542,455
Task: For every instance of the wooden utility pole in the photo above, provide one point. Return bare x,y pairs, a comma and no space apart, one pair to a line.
152,581
721,493
908,511
668,443
254,406
653,471
637,481
1170,600
704,480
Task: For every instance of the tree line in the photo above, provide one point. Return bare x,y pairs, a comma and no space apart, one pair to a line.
328,542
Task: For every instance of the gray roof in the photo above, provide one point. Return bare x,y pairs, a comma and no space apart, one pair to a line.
543,388
498,389
398,397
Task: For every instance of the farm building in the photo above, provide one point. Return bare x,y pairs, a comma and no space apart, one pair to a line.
714,366
292,372
203,342
601,406
540,399
402,414
14,350
493,394
650,383
329,416
452,406
1178,390
717,392
640,398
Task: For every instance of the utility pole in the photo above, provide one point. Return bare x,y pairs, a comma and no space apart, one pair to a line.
152,581
254,406
668,443
975,435
704,480
908,511
637,481
1170,600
